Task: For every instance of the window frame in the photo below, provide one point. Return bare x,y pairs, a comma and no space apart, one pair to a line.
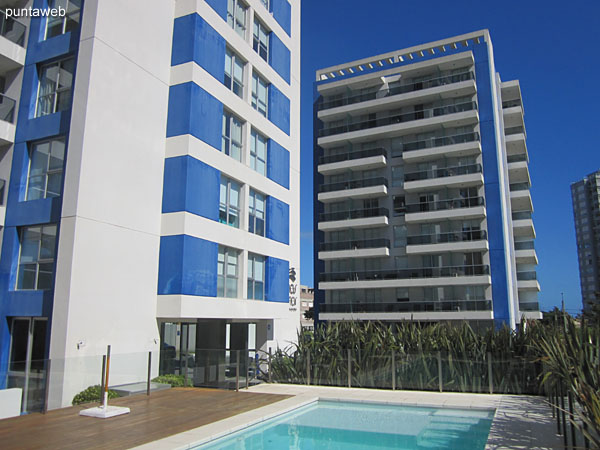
48,172
64,20
256,102
255,139
225,276
230,210
262,48
56,91
251,277
227,141
40,260
252,210
232,17
229,80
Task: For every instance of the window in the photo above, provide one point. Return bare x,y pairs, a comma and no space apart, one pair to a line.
45,169
265,3
260,42
234,73
258,153
400,236
397,176
229,203
399,205
36,258
256,213
236,16
227,272
256,277
54,92
69,22
259,94
231,143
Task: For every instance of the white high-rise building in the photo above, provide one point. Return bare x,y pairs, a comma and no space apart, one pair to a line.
153,185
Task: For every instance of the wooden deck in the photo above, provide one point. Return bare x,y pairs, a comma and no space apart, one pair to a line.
162,414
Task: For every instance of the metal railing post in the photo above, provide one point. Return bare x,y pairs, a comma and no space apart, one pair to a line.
490,373
572,419
237,370
308,367
102,378
246,368
349,368
393,370
185,370
149,372
441,383
270,357
47,387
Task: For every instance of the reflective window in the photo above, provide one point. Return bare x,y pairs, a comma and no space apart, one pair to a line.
36,257
54,92
45,169
229,202
256,277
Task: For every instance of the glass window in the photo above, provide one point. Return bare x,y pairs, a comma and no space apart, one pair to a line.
36,258
54,93
45,169
236,16
227,272
260,42
229,202
258,152
231,142
234,73
259,94
265,3
256,213
256,277
397,176
56,26
400,236
399,205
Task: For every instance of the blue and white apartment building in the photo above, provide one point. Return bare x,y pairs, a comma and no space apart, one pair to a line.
150,152
422,203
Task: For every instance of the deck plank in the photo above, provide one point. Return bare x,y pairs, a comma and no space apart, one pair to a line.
162,414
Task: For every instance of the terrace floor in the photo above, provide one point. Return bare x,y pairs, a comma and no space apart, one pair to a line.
162,414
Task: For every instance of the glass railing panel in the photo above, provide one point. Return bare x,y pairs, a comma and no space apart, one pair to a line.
437,142
463,374
521,215
519,187
371,370
417,372
516,158
7,108
445,204
511,103
514,130
354,214
12,30
516,376
529,306
442,172
526,276
353,184
354,245
408,307
421,272
524,245
353,155
444,238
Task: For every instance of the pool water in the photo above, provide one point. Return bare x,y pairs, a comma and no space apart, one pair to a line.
348,425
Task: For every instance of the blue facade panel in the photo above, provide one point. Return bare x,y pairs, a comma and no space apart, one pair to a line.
191,185
220,6
279,57
278,164
493,189
278,220
282,12
279,109
194,111
195,40
276,282
187,266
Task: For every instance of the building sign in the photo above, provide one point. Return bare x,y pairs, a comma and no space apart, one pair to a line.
293,290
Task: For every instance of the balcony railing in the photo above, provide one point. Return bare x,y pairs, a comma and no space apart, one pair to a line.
516,158
524,245
354,245
438,142
354,214
529,306
401,274
442,172
399,118
444,238
514,130
519,187
358,98
359,154
527,276
353,184
12,30
521,215
445,204
7,108
511,103
408,307
2,189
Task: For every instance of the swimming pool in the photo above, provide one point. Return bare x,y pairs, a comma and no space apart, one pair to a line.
336,425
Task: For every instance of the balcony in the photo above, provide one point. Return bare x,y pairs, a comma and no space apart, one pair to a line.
367,248
456,146
419,86
446,177
357,160
475,240
511,103
408,307
512,115
516,145
520,198
12,30
508,131
12,53
530,306
7,117
525,252
519,187
527,281
460,208
415,119
356,218
367,188
523,224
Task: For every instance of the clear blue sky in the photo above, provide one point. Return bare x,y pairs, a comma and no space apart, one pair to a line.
551,47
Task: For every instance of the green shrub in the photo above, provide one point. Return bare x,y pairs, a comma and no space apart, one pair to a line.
173,380
92,394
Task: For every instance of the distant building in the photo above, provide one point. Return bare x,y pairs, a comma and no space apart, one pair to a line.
307,297
422,202
586,210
